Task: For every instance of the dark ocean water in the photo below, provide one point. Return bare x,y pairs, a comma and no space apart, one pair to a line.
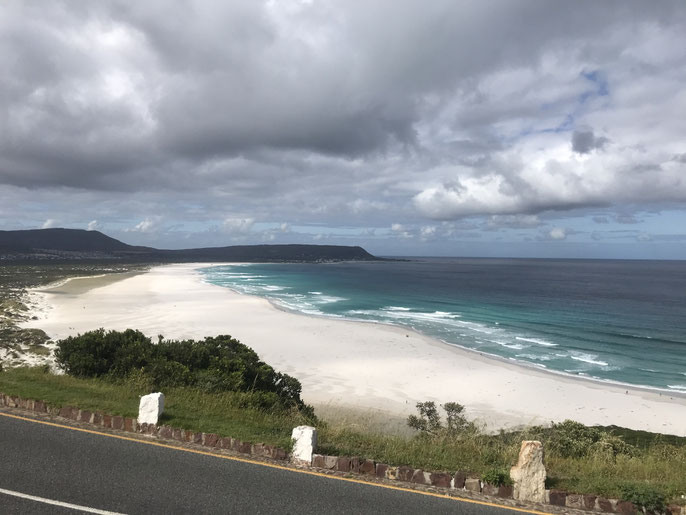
621,321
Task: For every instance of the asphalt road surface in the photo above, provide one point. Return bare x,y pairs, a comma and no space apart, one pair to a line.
96,472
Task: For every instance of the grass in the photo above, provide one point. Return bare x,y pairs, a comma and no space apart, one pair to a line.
35,383
658,462
474,454
223,414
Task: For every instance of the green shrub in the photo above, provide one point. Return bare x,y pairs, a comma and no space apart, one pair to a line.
497,477
98,353
571,439
644,495
609,446
428,423
215,364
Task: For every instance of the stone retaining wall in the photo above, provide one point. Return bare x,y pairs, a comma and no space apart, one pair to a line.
461,481
105,420
340,465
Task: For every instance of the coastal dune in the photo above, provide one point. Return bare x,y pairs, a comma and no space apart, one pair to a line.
364,367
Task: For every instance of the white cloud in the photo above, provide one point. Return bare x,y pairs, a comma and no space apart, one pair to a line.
401,230
238,225
427,232
93,225
49,223
558,233
148,225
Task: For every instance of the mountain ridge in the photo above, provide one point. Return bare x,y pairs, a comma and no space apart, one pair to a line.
79,244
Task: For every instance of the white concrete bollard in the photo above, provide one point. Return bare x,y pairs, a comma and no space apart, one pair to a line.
305,441
150,408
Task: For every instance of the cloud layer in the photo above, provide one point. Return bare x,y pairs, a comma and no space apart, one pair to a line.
342,114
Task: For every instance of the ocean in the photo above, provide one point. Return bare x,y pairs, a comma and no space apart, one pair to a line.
619,321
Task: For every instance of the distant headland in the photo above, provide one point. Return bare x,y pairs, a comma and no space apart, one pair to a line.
79,245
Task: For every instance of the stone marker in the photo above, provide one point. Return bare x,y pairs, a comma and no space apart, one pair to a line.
150,408
305,440
529,473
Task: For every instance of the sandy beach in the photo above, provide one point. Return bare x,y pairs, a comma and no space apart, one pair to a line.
362,366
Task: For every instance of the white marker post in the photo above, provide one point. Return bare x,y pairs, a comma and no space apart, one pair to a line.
150,408
305,440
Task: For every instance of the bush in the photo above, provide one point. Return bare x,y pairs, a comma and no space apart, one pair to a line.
97,353
215,364
571,439
609,446
428,423
497,477
644,495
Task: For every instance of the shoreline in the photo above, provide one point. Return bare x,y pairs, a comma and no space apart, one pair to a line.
476,353
353,364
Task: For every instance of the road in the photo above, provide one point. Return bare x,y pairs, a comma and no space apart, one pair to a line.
99,472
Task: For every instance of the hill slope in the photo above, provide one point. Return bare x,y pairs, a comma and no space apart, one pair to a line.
75,240
78,244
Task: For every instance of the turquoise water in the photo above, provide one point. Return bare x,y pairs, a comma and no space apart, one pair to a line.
621,321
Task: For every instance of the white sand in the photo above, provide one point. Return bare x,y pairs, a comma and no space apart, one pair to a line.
351,364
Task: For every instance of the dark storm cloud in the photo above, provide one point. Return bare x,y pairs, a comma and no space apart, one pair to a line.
585,141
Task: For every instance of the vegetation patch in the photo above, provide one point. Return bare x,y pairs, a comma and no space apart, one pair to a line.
213,365
497,477
578,458
646,496
226,413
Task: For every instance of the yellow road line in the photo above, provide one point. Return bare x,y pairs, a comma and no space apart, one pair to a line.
274,466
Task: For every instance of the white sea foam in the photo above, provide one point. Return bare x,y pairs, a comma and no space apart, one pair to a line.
410,316
397,308
480,328
515,346
591,359
536,357
270,287
360,312
311,311
328,299
540,365
678,387
537,341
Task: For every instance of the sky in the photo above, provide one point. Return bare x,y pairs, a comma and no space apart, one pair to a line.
514,128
